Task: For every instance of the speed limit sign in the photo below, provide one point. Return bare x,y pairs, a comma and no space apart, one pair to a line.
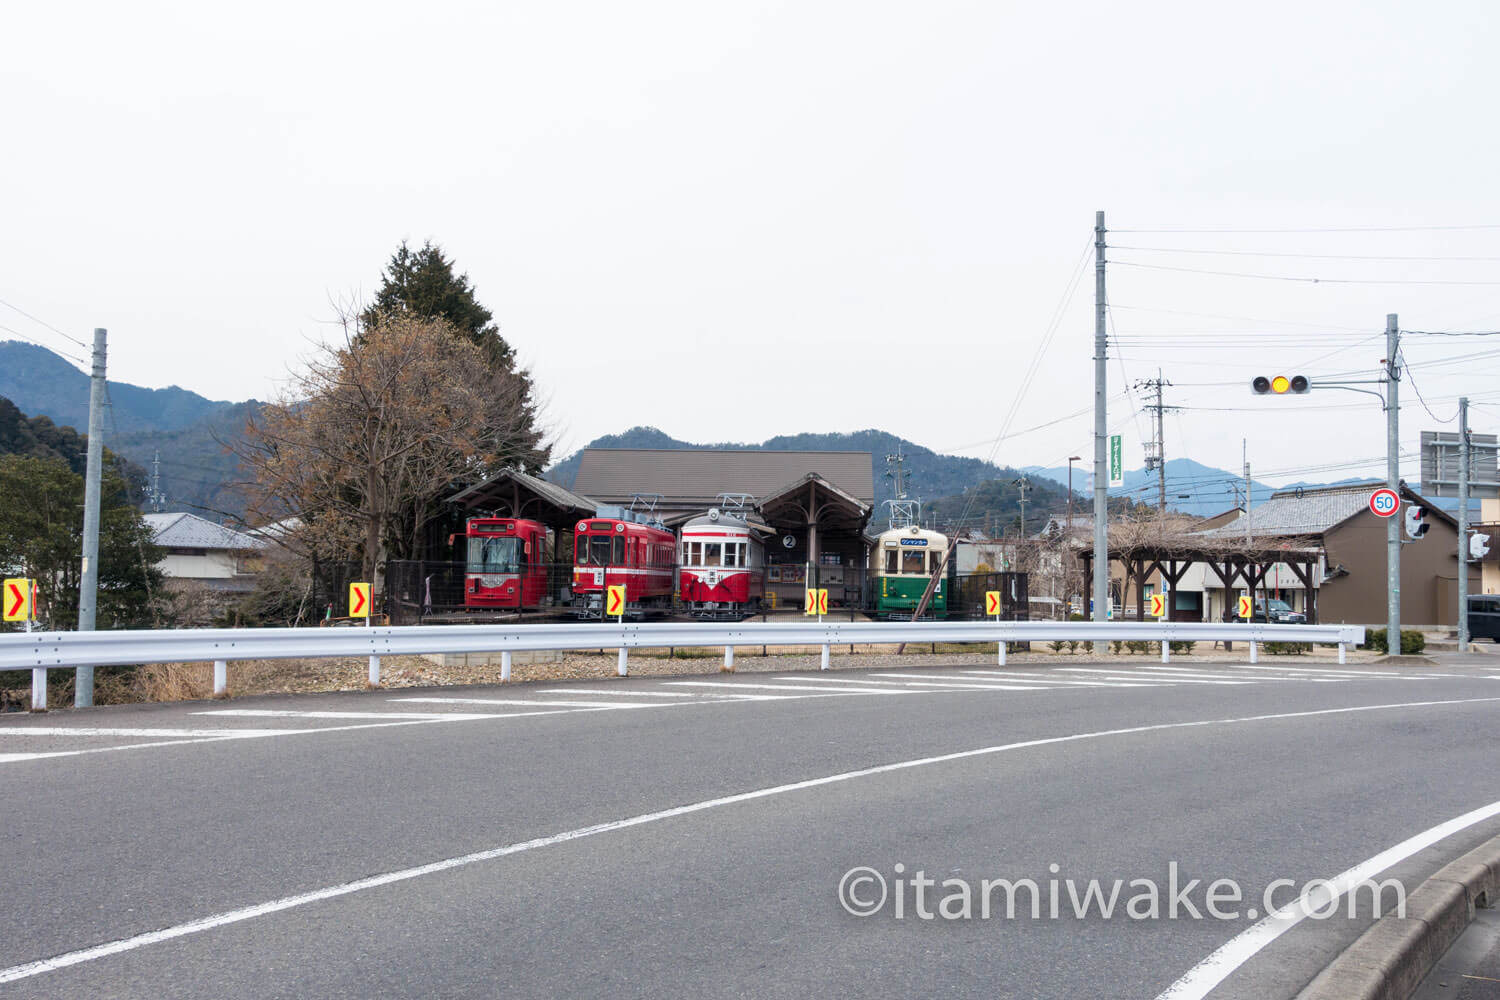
1385,502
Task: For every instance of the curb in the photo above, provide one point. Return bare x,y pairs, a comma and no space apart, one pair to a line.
1390,959
1405,660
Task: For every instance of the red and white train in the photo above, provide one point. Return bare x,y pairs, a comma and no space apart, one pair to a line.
723,571
504,563
623,550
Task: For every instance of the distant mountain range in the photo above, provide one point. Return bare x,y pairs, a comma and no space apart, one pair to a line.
196,471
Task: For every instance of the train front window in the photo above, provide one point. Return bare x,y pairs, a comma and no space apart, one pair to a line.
911,562
712,554
495,555
731,554
595,549
890,560
937,560
619,549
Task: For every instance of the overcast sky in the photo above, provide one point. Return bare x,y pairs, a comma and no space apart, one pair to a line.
737,220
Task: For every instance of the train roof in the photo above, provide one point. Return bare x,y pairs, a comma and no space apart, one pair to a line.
911,532
722,521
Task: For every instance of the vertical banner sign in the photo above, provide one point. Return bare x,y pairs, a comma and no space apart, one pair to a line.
1158,605
18,599
359,600
614,602
809,601
1246,607
822,601
1116,465
992,603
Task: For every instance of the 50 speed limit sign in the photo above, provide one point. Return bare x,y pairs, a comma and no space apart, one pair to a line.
1385,502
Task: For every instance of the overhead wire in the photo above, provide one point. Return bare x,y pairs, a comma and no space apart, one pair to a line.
38,343
1300,256
42,322
1301,278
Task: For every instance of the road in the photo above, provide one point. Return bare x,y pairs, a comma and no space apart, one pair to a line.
687,836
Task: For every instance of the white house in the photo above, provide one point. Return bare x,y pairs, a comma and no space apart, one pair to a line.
204,552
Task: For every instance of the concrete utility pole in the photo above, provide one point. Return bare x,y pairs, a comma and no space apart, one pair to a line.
1245,456
1156,451
88,589
1463,524
1023,484
1393,480
1101,434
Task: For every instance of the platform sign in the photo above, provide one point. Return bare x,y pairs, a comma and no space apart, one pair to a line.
1158,605
359,600
614,601
992,603
19,599
1247,607
1384,502
815,601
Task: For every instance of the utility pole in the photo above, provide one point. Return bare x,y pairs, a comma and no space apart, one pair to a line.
155,495
1245,455
1393,480
1156,451
1023,484
1101,433
88,589
1463,524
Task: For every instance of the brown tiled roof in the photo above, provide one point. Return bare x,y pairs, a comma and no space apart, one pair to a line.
612,475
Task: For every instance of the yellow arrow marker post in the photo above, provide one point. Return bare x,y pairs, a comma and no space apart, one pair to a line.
359,607
1246,608
614,604
992,607
1158,605
19,594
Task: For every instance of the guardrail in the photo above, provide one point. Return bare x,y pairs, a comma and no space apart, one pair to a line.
41,651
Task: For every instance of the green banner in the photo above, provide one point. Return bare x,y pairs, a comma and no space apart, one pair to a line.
1116,466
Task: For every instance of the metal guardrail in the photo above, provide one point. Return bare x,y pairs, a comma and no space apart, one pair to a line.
41,651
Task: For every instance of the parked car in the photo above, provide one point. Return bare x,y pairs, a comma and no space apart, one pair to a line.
1484,616
1280,613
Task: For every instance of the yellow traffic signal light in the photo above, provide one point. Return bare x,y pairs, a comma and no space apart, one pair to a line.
1280,385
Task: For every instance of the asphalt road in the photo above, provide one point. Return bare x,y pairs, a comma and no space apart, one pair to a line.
598,838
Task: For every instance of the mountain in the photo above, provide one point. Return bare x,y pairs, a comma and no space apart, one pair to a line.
1208,490
39,437
197,472
940,480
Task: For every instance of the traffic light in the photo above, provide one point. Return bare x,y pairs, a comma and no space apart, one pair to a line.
1416,521
1279,385
1479,545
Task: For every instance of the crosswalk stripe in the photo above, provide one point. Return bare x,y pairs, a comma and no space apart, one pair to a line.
782,687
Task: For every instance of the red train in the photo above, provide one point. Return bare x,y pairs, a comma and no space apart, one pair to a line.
623,550
723,571
504,566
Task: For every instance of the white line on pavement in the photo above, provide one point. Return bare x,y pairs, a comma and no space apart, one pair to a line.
1124,675
782,687
1214,969
1074,682
927,680
266,713
603,705
122,945
144,734
972,685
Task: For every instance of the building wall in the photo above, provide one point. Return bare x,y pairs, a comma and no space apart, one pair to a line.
1489,513
200,566
1428,569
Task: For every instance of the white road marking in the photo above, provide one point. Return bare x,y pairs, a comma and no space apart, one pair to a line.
927,680
266,713
144,734
1225,959
1073,681
1330,670
122,945
1118,675
1177,673
627,693
784,687
601,705
937,685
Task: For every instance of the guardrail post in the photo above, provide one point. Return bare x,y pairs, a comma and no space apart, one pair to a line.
39,689
728,659
374,671
1001,646
504,665
823,665
624,668
221,679
1166,651
1341,652
1253,645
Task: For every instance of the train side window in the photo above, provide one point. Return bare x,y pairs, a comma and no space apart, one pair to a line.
731,554
937,560
581,550
711,553
891,558
619,549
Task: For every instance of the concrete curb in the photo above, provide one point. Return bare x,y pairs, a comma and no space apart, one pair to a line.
1390,960
1404,660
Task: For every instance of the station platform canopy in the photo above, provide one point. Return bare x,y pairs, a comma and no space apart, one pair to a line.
513,493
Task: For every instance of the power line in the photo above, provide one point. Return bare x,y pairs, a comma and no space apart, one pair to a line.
1302,256
1295,278
43,322
1451,333
38,343
1413,380
1345,229
1245,319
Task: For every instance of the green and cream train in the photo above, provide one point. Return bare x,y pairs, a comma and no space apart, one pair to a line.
902,561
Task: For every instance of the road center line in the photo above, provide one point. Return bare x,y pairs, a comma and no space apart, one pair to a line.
96,952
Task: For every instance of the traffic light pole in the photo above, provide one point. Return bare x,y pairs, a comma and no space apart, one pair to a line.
1101,434
1393,480
1463,524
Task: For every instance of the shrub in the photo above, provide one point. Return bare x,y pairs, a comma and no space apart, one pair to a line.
1288,648
1137,646
1182,646
1056,645
1115,645
1412,641
1072,646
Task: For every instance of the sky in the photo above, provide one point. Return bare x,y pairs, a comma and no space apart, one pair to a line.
732,221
